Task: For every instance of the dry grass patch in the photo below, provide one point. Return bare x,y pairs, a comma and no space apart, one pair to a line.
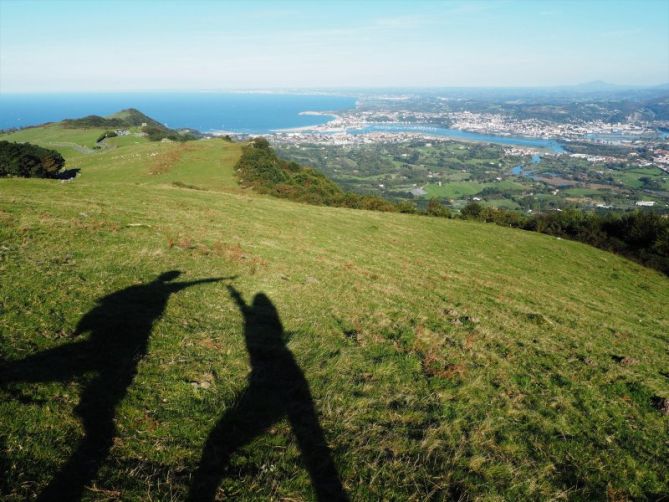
163,162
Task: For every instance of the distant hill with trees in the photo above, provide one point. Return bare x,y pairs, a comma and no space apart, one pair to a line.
132,117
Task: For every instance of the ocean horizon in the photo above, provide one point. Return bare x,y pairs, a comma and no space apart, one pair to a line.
247,112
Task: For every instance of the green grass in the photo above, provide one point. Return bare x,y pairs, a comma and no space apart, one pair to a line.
129,139
453,190
503,204
55,135
466,188
457,176
630,177
583,192
446,358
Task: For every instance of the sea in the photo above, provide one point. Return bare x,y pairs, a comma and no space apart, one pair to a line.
246,113
233,112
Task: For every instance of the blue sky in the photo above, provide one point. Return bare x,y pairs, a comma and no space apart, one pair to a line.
53,46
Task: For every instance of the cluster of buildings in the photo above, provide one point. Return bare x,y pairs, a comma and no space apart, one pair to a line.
362,126
661,159
345,127
346,138
596,130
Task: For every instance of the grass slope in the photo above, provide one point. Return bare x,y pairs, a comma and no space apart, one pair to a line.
446,359
69,142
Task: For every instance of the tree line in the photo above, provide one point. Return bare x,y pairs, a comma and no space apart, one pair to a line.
154,130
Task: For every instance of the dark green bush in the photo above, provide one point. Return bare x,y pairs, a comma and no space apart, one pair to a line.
29,161
105,135
407,207
436,208
472,210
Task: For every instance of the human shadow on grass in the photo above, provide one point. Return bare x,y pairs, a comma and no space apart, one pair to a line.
119,328
277,388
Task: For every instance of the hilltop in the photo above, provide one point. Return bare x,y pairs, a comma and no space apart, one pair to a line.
124,118
445,359
133,119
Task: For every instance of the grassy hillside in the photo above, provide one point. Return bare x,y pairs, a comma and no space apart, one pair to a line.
69,142
445,359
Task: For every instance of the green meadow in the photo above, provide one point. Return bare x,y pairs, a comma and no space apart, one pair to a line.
444,359
467,188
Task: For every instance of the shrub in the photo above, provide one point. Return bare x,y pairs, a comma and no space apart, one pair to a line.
406,207
377,204
106,134
436,208
472,210
29,161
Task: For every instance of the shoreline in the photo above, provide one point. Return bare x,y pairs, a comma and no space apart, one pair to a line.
344,129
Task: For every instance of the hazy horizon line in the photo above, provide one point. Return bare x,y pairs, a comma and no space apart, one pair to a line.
271,89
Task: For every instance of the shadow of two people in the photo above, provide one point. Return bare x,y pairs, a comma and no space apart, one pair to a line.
120,326
277,388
